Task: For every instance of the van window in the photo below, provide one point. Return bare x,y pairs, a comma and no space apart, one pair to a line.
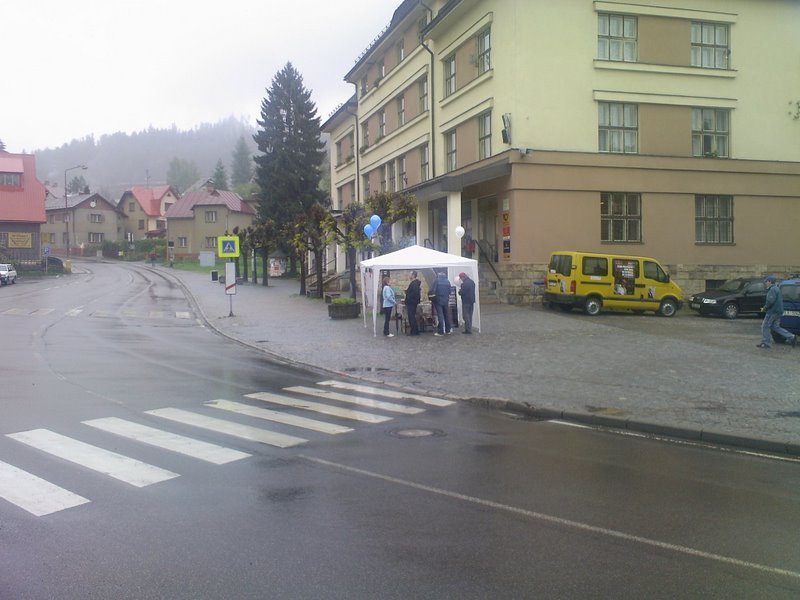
561,263
791,292
653,270
595,265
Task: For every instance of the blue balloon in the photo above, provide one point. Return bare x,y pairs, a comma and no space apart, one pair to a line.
368,231
375,221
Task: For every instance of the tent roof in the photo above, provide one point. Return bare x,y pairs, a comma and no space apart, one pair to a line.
416,257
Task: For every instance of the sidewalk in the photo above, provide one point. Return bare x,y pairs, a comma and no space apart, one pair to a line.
535,361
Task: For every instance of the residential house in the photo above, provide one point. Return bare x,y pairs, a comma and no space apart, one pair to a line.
196,220
21,208
654,128
84,221
146,207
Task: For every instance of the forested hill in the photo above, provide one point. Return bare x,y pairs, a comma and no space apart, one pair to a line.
120,160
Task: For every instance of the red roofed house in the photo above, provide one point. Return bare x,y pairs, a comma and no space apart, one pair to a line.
21,208
199,217
145,208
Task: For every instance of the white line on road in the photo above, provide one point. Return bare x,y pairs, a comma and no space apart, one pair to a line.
367,402
218,455
324,409
564,522
246,432
123,468
278,417
366,389
74,312
37,496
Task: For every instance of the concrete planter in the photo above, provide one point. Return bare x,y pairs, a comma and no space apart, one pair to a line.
344,311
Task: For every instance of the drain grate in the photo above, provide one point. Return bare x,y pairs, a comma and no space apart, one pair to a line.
415,433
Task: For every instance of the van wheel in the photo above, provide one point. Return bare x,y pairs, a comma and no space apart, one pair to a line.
730,310
668,308
593,306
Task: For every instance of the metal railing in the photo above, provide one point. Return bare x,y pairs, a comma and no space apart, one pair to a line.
489,253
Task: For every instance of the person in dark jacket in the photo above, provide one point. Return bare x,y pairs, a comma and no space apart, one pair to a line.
467,293
773,309
412,302
441,302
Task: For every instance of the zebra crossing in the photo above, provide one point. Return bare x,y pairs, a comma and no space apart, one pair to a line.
99,313
342,400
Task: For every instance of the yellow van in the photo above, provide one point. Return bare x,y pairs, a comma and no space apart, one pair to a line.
594,281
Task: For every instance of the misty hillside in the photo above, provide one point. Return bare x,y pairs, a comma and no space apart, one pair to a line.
120,160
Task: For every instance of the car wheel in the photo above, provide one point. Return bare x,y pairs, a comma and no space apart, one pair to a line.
593,306
730,310
668,308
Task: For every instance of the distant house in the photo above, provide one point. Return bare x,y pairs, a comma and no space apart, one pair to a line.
21,208
85,219
196,221
145,208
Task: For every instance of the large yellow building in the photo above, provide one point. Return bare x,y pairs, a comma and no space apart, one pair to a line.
662,128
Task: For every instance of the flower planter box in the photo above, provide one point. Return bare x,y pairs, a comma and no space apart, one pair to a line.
344,311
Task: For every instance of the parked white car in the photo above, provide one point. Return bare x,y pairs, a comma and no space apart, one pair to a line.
7,274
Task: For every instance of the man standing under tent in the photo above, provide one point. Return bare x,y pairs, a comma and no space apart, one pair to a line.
441,301
467,293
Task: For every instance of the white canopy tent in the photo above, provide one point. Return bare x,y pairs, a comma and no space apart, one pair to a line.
415,258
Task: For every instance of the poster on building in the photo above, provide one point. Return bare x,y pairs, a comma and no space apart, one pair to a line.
506,231
625,273
20,240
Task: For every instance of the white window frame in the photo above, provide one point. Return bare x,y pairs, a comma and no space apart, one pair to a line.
483,47
449,75
710,45
485,135
711,129
617,37
451,150
618,128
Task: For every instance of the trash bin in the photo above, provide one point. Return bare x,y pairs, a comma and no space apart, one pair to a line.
68,266
214,275
537,291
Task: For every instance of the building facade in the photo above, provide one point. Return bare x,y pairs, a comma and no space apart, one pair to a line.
145,208
84,221
659,128
21,208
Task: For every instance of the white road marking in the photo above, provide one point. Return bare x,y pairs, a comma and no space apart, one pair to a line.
218,455
324,409
17,311
74,312
246,432
368,402
37,496
183,315
42,311
613,533
366,389
278,417
123,468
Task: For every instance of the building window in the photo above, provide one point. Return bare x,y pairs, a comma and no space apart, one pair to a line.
364,85
141,224
9,179
620,217
96,218
381,124
450,149
131,207
713,219
365,134
484,50
401,175
401,111
485,135
401,50
450,75
381,69
367,190
710,130
619,127
423,95
183,242
95,238
391,176
211,242
616,38
383,174
424,162
710,48
211,216
338,153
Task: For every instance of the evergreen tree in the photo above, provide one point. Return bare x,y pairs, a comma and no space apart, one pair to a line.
77,185
288,170
242,165
182,174
220,176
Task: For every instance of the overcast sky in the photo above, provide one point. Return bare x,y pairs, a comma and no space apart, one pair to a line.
81,67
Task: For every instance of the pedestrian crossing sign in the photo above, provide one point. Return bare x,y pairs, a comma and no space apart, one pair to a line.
228,246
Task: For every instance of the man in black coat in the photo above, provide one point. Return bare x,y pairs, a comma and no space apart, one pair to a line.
412,301
467,293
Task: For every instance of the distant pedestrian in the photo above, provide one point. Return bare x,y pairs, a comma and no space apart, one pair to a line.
389,302
467,293
412,302
441,302
152,256
773,309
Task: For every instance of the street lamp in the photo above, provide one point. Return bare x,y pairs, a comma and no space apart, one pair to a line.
66,207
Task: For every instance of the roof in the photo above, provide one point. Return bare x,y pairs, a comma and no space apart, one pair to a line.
23,204
417,257
55,202
184,207
149,198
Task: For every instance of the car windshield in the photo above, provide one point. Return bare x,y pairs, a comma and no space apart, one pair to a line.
733,285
